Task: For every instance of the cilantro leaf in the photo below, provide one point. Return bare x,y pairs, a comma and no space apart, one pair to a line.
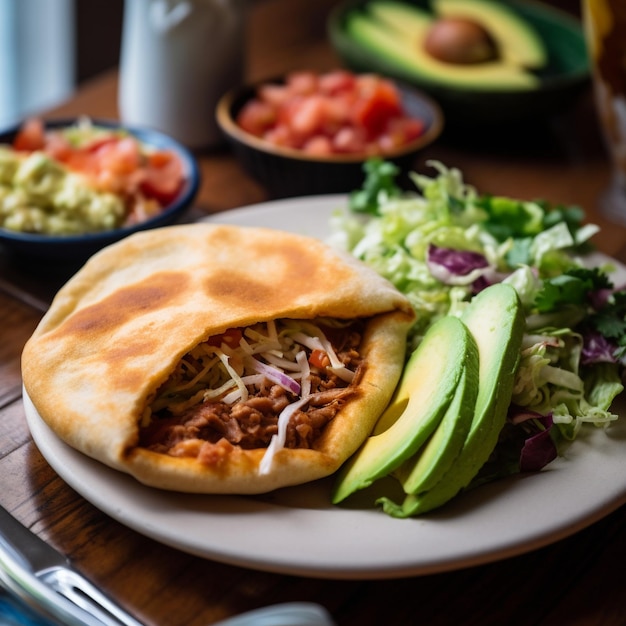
518,219
573,216
610,320
511,218
571,287
380,178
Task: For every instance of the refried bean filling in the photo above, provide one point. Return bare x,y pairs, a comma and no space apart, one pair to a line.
233,387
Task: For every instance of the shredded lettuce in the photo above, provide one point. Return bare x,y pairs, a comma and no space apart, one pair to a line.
442,242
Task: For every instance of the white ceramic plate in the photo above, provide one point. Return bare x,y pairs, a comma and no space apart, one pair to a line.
296,530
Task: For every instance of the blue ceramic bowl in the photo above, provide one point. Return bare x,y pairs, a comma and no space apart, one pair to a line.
80,247
287,172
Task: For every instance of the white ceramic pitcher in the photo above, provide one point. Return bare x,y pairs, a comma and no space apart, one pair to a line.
177,58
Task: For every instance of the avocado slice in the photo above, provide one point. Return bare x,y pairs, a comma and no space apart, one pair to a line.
425,469
395,31
426,389
495,319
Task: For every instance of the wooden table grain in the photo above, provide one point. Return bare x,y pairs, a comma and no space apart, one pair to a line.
575,581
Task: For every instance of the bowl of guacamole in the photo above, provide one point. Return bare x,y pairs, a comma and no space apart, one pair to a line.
71,187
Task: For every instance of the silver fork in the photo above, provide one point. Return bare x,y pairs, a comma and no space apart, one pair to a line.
43,579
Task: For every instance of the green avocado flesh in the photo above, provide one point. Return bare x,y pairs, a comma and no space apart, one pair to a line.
496,321
465,410
427,387
426,468
395,32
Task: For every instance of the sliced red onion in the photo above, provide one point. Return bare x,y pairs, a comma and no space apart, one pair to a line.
276,376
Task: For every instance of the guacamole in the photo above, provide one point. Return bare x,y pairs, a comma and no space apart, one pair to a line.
39,195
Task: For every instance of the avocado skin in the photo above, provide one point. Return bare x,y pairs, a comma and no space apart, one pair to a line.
496,320
425,391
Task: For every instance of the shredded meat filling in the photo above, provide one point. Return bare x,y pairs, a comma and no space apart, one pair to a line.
251,423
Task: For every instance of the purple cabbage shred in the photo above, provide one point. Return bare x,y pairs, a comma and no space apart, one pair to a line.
539,449
457,262
597,349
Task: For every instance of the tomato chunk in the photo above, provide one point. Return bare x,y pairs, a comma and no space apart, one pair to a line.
30,136
379,103
257,116
231,337
163,177
319,358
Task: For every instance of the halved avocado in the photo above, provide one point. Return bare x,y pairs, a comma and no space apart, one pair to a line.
517,42
397,31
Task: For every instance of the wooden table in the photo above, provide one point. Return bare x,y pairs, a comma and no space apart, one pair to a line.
575,581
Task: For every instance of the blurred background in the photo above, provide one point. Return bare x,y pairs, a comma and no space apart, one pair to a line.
48,47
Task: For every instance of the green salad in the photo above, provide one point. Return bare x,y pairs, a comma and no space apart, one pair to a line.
444,242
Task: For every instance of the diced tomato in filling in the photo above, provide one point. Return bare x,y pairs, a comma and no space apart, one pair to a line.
319,358
231,337
337,112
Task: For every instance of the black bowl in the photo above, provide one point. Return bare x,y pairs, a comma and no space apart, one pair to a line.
73,248
564,78
289,172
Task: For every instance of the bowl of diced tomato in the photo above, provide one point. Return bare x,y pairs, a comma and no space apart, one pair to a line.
71,187
311,132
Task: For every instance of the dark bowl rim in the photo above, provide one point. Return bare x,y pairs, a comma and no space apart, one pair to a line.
144,134
228,125
552,83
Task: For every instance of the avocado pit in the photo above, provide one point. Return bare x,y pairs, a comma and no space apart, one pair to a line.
460,41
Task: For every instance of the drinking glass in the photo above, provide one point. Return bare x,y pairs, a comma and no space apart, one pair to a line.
604,22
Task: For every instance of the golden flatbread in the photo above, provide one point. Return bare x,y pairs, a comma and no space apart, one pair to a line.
140,347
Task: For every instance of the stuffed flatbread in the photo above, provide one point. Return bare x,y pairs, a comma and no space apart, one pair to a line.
218,359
